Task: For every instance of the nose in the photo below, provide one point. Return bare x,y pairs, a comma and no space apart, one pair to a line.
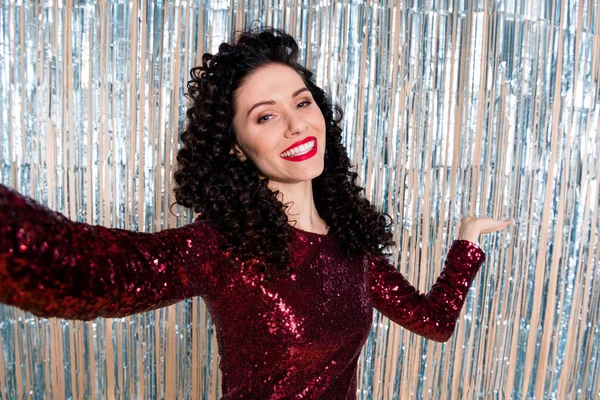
295,124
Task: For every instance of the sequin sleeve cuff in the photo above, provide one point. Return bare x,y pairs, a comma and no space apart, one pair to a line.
432,315
54,267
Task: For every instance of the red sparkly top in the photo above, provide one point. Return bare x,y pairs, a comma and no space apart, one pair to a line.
295,337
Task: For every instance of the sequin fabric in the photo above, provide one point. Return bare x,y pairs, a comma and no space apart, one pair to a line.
297,337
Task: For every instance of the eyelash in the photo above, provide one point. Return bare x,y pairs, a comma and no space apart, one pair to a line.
261,121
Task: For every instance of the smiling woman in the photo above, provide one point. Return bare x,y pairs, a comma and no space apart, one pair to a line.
284,137
241,165
292,303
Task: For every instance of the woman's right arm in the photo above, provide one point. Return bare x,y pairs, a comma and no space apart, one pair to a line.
54,267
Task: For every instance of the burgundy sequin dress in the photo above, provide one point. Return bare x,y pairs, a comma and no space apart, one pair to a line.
298,337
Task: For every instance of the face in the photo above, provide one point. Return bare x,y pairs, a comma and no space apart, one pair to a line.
278,126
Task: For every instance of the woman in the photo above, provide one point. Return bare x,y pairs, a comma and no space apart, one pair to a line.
286,252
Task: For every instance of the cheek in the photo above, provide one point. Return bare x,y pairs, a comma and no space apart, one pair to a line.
319,119
261,147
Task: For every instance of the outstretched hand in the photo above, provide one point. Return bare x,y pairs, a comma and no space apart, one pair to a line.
471,227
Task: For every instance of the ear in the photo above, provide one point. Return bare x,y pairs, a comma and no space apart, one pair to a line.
237,150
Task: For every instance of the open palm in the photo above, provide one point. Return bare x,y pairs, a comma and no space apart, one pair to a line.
471,227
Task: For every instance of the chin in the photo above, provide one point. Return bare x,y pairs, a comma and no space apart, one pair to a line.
308,175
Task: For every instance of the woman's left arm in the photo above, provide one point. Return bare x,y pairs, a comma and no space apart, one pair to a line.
432,315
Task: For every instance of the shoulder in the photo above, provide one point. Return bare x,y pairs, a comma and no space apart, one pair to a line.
206,228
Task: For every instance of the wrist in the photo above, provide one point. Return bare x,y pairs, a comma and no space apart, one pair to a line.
470,238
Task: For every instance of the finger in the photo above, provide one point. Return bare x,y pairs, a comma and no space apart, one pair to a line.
492,227
484,220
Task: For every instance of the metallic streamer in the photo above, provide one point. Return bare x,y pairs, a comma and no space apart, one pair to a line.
451,108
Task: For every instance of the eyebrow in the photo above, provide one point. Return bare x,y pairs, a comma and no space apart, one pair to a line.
296,93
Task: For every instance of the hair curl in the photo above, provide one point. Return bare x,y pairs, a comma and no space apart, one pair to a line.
229,193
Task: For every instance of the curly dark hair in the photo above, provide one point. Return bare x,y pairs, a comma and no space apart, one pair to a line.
230,193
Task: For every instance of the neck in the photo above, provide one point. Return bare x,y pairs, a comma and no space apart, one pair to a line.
301,212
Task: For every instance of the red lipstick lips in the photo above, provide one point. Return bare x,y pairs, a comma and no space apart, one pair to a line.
300,142
302,157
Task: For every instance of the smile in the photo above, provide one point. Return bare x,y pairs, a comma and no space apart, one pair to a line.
301,152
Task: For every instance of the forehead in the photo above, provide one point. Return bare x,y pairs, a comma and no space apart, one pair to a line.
269,82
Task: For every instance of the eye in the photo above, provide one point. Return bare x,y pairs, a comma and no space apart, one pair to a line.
262,119
265,118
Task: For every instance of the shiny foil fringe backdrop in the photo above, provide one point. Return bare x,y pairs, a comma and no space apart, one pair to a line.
451,108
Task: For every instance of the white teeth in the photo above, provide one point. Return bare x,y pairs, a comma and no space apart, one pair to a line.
299,150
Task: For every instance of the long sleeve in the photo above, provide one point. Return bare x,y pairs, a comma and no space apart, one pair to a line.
432,315
54,267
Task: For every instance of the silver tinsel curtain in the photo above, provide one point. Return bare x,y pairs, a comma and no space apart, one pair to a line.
452,108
